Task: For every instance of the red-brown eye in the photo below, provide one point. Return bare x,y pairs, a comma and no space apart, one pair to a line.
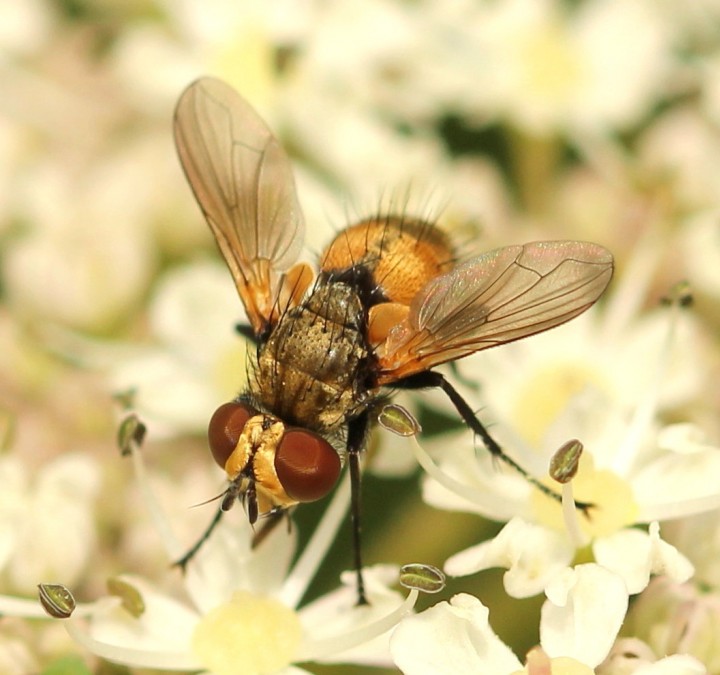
307,465
225,428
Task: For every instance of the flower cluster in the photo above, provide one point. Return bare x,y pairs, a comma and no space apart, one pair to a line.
507,121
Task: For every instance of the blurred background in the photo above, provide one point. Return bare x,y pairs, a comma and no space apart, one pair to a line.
506,120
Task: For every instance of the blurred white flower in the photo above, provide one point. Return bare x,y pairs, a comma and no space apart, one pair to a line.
16,658
197,362
25,25
676,618
85,258
700,245
547,69
682,146
633,656
699,537
47,520
237,41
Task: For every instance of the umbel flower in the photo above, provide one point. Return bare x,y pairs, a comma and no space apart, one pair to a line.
634,471
237,608
579,621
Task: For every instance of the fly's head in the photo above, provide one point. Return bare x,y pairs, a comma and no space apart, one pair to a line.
270,466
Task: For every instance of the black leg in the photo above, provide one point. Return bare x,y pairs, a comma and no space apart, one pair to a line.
247,332
357,430
182,563
268,524
429,379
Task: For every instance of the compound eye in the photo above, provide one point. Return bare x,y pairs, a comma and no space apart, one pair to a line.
307,465
225,428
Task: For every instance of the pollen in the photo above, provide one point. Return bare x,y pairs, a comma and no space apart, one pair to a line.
250,633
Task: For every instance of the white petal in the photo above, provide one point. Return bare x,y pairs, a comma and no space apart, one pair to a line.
532,554
451,638
501,492
678,483
684,439
635,555
677,664
585,608
226,562
193,310
336,614
166,625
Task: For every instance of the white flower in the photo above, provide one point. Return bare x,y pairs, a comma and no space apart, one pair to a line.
631,470
532,555
46,518
699,243
194,359
634,555
633,656
580,620
239,602
451,637
699,536
547,69
682,147
86,257
579,623
198,361
674,618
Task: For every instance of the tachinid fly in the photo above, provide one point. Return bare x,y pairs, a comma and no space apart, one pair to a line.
389,303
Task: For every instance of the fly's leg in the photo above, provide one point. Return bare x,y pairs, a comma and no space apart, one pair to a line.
269,522
182,563
357,431
429,378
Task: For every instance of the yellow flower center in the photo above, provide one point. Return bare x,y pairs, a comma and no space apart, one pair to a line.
547,393
551,65
614,505
250,634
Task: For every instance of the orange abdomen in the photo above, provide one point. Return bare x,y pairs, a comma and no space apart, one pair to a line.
402,254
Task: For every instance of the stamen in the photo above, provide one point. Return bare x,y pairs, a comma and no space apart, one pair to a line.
139,658
31,609
316,549
570,517
473,495
645,412
56,600
318,649
563,468
631,290
422,577
161,522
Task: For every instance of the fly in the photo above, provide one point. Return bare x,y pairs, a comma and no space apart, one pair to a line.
389,303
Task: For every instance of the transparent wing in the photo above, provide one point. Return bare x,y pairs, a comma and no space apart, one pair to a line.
498,297
242,180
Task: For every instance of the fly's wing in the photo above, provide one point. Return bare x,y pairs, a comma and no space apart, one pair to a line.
498,297
243,182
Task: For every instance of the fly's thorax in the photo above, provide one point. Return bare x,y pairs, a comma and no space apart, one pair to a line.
312,369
